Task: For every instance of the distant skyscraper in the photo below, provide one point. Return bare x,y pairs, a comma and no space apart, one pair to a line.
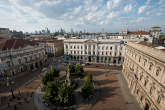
71,31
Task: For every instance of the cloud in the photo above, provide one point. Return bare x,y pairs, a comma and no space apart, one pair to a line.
93,14
128,8
141,19
109,17
142,9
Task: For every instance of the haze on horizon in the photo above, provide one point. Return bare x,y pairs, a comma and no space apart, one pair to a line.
92,15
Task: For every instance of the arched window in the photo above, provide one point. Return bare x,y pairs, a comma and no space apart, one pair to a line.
151,65
158,71
139,58
145,61
159,99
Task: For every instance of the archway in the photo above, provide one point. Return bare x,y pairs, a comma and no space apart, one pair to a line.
89,58
31,67
146,107
36,64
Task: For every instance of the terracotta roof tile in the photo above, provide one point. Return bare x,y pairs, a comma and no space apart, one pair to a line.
14,43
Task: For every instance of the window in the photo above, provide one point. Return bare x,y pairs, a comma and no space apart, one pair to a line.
110,48
70,47
145,61
151,65
158,71
102,47
141,98
85,47
93,46
150,90
145,82
66,46
77,47
139,58
137,92
107,47
115,53
159,99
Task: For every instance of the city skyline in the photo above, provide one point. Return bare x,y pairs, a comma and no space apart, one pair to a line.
94,16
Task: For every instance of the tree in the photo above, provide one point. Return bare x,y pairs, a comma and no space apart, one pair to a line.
47,77
54,71
78,69
64,94
51,92
50,74
71,68
87,88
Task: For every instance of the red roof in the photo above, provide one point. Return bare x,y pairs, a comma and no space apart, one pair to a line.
14,43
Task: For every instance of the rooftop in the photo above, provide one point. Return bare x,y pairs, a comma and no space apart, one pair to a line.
139,33
7,44
153,50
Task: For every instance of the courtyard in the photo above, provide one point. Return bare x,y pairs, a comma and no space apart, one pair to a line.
112,91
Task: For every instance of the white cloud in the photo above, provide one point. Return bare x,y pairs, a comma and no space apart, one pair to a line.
141,19
77,10
128,8
142,9
109,17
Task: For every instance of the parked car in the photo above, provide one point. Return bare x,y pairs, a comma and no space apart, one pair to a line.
44,69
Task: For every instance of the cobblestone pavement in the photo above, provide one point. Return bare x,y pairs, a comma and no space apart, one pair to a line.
111,95
26,97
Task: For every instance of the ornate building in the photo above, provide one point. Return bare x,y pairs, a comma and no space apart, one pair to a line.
144,71
95,51
17,55
53,47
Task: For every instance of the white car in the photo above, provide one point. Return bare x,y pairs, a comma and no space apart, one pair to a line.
44,69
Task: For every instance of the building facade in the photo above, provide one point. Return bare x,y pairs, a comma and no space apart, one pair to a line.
53,47
4,32
144,71
94,51
18,55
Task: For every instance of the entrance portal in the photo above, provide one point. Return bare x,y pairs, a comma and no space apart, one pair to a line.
89,58
146,107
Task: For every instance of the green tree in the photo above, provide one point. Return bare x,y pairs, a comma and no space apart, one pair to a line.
71,68
53,70
87,88
64,94
47,77
79,69
51,92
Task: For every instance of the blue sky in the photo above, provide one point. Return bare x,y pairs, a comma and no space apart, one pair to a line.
92,15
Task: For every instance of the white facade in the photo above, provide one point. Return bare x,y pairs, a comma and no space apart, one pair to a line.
95,51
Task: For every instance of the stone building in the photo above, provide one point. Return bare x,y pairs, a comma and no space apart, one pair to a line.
17,55
53,47
4,32
144,71
97,51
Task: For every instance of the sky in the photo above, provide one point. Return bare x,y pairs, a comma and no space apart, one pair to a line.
91,15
